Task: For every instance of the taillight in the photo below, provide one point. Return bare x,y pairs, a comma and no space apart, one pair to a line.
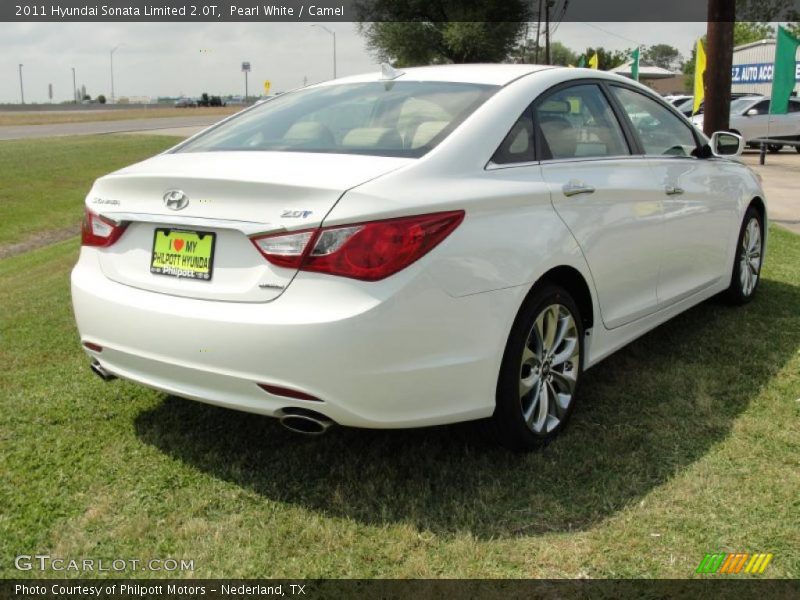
366,251
99,231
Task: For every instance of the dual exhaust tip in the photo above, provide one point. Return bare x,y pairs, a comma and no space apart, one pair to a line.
298,420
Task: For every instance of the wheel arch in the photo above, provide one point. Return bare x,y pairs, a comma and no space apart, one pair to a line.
758,204
575,283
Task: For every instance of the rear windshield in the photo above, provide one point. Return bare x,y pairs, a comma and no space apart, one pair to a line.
404,119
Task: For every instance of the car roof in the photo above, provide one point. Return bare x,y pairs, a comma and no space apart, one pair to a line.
489,74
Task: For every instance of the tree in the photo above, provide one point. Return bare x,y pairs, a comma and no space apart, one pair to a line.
663,55
746,32
559,53
607,59
419,32
101,99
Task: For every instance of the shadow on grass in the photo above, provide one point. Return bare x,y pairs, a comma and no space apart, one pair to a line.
646,412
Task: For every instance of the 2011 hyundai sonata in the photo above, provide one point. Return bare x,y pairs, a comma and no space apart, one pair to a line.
414,248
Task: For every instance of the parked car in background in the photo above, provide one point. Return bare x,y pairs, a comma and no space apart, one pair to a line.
686,106
750,118
414,248
185,103
676,99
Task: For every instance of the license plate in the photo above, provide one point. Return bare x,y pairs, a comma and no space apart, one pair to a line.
187,254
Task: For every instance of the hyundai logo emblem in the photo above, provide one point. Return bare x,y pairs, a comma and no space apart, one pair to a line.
176,200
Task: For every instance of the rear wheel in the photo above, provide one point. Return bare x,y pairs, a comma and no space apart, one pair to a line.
797,148
775,148
747,262
539,375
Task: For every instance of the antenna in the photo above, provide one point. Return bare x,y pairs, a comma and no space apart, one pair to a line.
388,72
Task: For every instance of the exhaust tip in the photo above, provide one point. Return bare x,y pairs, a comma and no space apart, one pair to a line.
305,422
98,370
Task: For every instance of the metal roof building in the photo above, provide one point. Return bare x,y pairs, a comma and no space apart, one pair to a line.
752,68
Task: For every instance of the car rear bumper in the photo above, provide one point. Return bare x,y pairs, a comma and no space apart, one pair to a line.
393,354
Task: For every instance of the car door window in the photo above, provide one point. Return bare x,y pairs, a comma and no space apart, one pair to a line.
762,108
661,132
577,122
794,106
517,147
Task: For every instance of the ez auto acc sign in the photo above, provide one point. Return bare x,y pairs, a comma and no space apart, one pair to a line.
758,73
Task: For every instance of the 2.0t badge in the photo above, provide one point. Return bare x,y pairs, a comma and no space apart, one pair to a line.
176,200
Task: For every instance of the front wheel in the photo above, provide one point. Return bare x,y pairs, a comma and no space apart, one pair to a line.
539,374
747,262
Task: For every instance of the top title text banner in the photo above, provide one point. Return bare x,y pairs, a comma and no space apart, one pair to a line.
370,10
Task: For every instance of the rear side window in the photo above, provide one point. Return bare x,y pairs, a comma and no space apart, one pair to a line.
577,122
662,132
381,118
517,147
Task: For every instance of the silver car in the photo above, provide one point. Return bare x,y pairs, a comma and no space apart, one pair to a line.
750,118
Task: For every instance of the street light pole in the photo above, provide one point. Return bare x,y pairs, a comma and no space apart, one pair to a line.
114,49
333,33
21,89
74,87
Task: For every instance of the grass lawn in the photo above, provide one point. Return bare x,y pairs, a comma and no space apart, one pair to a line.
685,442
44,182
68,116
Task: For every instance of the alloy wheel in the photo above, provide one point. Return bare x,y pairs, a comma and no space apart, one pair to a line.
750,257
549,370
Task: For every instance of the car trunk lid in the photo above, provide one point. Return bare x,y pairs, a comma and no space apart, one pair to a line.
232,195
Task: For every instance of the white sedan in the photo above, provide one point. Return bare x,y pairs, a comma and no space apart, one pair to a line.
750,119
414,248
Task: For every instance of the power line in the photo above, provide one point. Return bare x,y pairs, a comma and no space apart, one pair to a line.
622,37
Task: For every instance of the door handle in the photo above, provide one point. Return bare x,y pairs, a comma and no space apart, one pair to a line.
673,190
574,187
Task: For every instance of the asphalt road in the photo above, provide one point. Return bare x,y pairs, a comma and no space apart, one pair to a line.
15,132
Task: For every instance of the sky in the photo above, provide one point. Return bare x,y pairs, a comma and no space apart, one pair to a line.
173,59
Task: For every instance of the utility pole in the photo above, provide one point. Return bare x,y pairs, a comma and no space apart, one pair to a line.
538,31
21,89
114,49
719,52
547,31
74,87
333,33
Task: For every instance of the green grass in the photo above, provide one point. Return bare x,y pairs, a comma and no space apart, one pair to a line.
43,183
685,442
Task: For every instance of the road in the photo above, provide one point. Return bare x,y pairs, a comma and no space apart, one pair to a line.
177,125
781,181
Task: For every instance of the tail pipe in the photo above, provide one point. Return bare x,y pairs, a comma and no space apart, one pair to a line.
98,370
306,422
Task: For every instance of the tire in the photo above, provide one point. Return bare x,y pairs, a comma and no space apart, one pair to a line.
748,259
797,148
774,148
541,367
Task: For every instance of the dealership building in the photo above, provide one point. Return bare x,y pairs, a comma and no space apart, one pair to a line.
752,68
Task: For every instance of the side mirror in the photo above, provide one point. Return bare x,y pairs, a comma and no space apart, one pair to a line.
751,113
726,144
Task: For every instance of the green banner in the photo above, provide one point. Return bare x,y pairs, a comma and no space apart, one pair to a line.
783,79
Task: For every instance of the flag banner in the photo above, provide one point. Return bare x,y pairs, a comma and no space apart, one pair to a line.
699,77
362,10
594,62
784,74
635,65
582,62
